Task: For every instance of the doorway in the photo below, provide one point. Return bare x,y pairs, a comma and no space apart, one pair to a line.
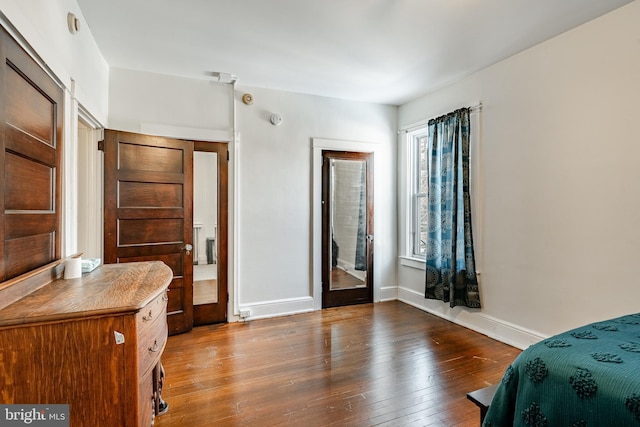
148,215
210,172
347,228
88,190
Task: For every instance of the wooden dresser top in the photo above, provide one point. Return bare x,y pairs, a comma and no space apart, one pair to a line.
109,289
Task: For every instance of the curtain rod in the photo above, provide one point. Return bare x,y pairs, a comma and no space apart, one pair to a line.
477,107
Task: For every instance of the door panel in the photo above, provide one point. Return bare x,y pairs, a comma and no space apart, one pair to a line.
148,211
150,195
347,226
134,232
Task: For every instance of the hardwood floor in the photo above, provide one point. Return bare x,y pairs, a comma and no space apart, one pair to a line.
205,292
205,284
385,364
340,279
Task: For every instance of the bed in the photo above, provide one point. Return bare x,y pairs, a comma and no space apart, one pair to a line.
585,377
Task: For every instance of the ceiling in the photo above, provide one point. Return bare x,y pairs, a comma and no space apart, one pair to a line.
381,51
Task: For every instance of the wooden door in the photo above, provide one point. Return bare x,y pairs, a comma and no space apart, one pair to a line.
30,157
148,202
347,228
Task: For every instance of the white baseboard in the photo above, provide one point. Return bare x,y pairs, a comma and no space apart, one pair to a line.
285,307
263,310
389,293
497,329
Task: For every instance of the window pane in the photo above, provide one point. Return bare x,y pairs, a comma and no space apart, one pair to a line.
418,192
422,214
423,164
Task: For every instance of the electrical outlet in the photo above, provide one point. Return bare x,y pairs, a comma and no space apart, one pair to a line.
245,313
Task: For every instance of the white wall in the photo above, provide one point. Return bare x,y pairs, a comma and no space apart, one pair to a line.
276,244
271,173
558,184
71,58
139,100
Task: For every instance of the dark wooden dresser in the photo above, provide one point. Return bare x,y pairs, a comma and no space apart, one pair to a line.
94,343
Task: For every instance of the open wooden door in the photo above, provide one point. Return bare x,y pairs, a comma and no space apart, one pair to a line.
148,202
347,228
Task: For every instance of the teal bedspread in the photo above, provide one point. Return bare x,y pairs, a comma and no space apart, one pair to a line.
586,377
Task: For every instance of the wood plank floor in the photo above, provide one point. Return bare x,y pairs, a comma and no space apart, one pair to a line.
340,279
385,364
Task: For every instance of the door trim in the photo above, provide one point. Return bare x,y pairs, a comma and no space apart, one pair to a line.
318,145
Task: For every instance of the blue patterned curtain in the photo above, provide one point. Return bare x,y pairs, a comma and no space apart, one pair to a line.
451,273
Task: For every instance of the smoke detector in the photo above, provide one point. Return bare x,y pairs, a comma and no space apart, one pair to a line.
275,119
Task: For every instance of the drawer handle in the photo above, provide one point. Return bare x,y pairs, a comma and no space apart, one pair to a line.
154,348
148,317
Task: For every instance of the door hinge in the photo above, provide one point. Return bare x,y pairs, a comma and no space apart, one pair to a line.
227,155
101,145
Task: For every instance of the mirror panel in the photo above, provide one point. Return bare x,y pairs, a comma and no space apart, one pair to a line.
205,227
348,224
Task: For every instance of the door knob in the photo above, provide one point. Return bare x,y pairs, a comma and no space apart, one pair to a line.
188,248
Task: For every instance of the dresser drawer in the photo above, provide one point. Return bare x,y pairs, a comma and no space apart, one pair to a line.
156,309
152,333
151,346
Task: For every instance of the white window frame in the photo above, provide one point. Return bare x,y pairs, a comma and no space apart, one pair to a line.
414,138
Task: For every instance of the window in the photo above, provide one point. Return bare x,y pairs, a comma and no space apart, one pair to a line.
418,155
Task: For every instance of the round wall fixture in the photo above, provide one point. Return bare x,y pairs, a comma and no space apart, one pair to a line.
73,22
275,119
247,98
